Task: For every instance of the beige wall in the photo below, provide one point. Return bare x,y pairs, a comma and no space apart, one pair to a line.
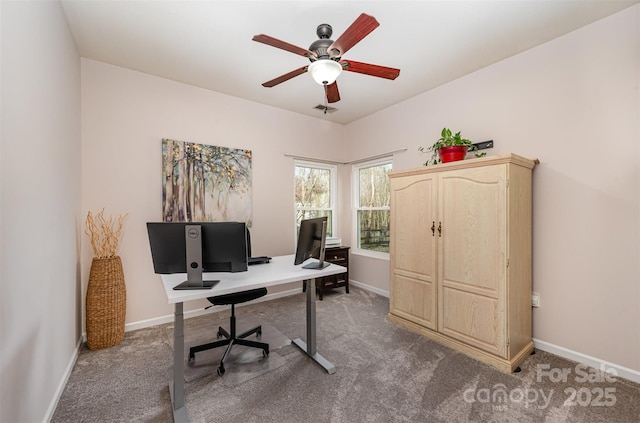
125,115
555,102
40,202
574,104
559,102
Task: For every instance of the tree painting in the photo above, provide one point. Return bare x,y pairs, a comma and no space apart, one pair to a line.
205,183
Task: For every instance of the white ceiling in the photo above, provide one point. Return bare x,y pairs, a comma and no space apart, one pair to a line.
208,43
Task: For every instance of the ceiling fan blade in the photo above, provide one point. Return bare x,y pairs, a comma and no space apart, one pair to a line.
285,77
359,29
333,95
274,42
368,69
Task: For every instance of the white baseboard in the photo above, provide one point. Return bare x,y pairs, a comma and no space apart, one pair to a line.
194,313
63,382
621,371
624,372
141,324
167,319
369,288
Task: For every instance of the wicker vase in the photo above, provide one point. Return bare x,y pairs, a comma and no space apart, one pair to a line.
106,303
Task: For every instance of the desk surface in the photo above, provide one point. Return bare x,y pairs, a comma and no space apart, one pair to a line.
279,271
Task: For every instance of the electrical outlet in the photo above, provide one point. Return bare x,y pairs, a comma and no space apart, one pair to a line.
535,299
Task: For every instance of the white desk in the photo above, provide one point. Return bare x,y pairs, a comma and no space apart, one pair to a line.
280,271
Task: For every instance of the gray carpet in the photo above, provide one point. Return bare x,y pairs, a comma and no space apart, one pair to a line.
242,363
384,374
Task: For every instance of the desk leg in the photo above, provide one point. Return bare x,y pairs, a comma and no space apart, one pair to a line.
176,389
310,346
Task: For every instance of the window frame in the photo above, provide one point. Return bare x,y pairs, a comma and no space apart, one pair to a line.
333,197
355,190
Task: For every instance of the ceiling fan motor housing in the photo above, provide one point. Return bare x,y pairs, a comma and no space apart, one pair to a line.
320,46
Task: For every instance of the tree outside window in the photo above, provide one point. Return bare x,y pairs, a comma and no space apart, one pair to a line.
314,187
372,197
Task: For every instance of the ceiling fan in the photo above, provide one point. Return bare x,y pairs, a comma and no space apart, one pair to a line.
326,56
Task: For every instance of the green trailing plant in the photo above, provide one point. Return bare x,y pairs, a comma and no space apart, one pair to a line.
447,139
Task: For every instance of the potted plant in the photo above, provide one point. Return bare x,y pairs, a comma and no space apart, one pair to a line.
450,147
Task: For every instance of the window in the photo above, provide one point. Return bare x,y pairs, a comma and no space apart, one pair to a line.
372,214
315,192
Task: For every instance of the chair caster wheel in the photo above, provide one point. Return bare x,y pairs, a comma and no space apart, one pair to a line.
265,353
221,370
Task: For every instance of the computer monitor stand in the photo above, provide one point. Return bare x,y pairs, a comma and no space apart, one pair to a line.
321,263
193,244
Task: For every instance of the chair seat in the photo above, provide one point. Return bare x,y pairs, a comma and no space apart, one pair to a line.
238,297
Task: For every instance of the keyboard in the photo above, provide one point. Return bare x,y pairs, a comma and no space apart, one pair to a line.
259,260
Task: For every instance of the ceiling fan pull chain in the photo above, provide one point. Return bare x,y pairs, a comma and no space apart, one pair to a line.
326,94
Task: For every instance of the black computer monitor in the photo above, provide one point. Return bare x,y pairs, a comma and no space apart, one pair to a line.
311,242
197,247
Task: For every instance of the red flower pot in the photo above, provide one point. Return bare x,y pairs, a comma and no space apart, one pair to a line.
453,153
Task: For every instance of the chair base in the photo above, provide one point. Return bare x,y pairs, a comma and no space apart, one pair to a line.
230,340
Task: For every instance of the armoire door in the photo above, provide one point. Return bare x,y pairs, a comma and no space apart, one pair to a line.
413,249
472,256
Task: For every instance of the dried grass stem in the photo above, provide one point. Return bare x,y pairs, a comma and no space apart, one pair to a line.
105,233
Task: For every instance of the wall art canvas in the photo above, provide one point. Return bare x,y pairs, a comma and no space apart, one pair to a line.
205,183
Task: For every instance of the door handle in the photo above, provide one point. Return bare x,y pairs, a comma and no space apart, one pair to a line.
433,228
440,229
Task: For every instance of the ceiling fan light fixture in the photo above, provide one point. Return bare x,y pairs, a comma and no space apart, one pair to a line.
325,71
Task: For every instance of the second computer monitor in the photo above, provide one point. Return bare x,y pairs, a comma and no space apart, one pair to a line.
311,242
